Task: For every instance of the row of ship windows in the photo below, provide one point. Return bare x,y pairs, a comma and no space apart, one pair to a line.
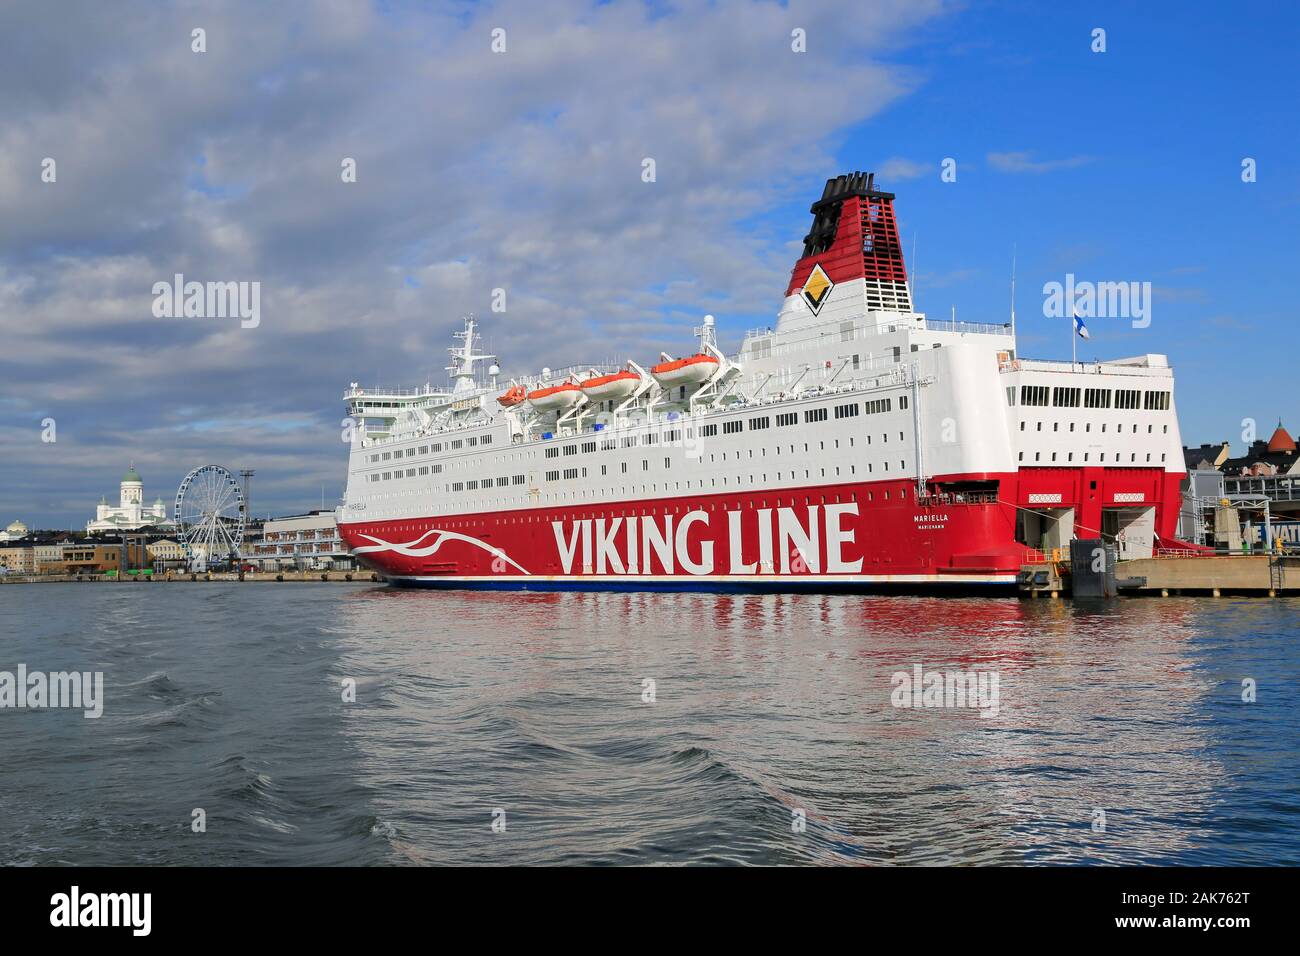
758,423
1068,397
724,481
1118,459
569,473
1087,427
784,419
454,445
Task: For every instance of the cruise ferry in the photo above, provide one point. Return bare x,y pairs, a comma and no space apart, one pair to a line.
855,445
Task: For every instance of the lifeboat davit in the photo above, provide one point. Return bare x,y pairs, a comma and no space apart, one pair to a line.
564,395
512,396
617,385
685,371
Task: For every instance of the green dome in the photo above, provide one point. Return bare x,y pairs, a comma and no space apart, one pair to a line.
132,474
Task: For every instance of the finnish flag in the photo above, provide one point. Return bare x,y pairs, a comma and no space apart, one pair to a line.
1079,326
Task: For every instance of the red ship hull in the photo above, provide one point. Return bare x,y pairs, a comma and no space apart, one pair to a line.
851,536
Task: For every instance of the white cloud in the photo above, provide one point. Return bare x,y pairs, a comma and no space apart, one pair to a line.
474,171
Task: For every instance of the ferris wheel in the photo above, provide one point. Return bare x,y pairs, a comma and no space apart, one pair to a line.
210,515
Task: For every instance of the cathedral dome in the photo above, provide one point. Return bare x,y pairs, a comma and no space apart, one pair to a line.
132,474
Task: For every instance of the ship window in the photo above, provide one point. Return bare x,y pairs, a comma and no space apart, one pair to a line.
553,452
731,428
708,431
457,443
757,423
815,415
786,418
847,411
570,449
1033,394
1065,397
486,439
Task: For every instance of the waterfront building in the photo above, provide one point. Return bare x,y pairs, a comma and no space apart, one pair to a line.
130,514
48,555
105,555
166,553
308,541
18,560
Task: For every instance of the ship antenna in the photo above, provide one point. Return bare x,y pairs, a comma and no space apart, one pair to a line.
1013,292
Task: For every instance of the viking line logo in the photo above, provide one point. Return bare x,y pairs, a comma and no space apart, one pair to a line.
761,541
816,288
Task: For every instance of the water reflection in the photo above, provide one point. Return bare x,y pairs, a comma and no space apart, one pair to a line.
768,704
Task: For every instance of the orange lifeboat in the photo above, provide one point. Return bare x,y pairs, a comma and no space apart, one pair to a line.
685,371
617,385
555,397
512,396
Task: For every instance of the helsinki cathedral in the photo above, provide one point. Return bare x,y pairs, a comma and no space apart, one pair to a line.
131,514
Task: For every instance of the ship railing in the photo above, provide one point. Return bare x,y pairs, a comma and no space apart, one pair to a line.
945,499
381,393
1085,368
1052,556
976,328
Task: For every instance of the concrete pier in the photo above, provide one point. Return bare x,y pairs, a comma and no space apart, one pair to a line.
1262,575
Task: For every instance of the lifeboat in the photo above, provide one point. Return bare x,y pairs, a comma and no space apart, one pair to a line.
512,396
685,371
618,385
555,397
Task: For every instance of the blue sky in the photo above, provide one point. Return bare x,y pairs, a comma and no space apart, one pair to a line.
1158,125
522,171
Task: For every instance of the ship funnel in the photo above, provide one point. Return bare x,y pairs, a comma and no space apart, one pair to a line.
854,235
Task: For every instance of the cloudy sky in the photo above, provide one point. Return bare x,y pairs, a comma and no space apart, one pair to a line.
522,170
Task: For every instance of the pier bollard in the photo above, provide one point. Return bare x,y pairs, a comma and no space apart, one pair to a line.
1164,592
324,577
347,577
279,577
1216,592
